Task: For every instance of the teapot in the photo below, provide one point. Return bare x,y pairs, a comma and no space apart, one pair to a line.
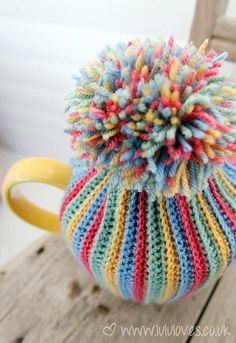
149,205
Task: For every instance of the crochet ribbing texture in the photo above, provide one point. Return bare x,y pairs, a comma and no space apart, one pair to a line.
150,210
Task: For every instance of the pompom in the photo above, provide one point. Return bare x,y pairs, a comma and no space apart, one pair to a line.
160,117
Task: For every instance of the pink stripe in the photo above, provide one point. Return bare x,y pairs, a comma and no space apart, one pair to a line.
90,235
227,211
76,189
198,258
140,263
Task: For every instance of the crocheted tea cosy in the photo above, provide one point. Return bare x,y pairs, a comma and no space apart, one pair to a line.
150,209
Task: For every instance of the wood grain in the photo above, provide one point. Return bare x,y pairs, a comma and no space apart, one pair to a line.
221,311
225,28
206,14
47,297
221,45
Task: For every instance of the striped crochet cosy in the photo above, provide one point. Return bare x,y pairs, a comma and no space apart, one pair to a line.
150,210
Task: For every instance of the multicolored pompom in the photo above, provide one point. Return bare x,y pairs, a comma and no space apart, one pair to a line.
160,117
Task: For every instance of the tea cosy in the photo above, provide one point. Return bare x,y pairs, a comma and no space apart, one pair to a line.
150,210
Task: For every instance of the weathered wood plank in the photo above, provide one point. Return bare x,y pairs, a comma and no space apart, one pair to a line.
225,28
45,296
221,45
221,311
206,14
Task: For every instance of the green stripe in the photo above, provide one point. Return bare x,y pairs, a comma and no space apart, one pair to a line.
224,192
156,253
101,246
208,244
75,205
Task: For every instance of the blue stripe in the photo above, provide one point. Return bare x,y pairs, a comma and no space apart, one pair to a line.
223,222
125,272
84,225
230,173
182,247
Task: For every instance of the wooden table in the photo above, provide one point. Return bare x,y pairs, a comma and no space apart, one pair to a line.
45,296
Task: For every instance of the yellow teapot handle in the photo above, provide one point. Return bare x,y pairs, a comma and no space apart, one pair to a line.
35,169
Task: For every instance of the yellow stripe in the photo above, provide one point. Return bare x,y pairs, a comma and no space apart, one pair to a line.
203,46
228,90
92,73
169,192
139,62
165,90
84,91
172,266
114,252
98,66
73,119
226,183
207,147
93,85
185,182
107,85
110,134
173,72
81,109
201,69
193,61
84,207
90,138
216,231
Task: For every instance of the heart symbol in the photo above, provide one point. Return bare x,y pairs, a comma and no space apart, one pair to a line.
109,329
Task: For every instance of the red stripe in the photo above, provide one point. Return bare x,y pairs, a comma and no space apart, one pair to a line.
76,189
227,211
198,258
140,262
90,235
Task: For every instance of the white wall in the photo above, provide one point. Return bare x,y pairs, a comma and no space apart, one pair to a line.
231,10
